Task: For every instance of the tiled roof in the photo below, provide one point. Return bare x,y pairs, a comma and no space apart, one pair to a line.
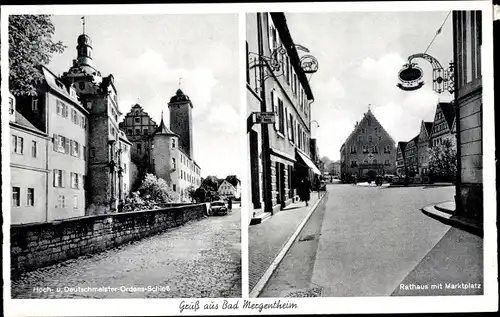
449,112
402,146
21,120
162,129
428,127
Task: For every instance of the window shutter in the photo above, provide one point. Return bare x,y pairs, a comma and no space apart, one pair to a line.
66,145
287,132
54,173
63,178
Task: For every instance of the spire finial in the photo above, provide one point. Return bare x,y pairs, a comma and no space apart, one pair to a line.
83,18
369,105
162,115
180,79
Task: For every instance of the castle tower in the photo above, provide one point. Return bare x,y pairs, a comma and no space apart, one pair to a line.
164,147
181,121
99,96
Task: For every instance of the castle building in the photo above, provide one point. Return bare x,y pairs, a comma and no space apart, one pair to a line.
98,95
67,155
167,152
368,150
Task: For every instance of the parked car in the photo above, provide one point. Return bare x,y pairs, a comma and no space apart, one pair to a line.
389,177
218,208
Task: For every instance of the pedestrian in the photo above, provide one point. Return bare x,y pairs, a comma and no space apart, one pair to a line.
305,190
229,204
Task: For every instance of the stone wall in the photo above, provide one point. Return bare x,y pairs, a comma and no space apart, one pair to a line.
40,244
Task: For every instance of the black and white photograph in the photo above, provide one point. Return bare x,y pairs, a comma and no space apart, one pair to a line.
259,158
365,142
124,165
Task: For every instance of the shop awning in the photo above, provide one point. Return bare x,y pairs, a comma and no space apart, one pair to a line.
309,163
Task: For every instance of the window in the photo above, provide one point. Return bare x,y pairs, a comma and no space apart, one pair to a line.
354,163
365,148
129,131
30,199
137,120
18,144
374,161
75,181
84,153
374,149
145,131
75,201
369,138
137,131
74,116
387,162
354,149
16,195
365,161
139,148
33,148
75,148
174,187
34,104
61,201
58,178
11,105
380,138
360,138
125,168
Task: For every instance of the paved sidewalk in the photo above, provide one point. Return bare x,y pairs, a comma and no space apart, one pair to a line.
267,239
453,267
200,259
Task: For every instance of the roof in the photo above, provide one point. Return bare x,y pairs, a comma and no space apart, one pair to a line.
162,129
448,111
279,20
56,85
233,180
369,113
402,146
428,127
22,121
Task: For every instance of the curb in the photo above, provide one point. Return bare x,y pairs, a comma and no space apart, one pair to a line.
451,220
257,289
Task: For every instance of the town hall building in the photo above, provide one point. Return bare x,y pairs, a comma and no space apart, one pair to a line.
369,149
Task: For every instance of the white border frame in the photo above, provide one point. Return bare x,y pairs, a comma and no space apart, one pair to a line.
111,307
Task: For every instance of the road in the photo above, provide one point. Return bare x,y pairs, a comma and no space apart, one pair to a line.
200,259
366,241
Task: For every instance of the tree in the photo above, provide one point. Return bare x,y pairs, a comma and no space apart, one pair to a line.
153,193
30,45
443,159
191,192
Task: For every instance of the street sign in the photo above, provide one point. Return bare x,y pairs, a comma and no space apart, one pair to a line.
265,117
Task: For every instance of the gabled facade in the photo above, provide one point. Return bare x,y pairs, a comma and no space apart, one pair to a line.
368,148
443,123
411,156
400,159
423,149
230,190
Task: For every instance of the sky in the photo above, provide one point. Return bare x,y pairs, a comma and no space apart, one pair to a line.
360,55
147,54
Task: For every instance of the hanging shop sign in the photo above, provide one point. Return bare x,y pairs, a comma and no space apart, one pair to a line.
309,64
264,117
410,77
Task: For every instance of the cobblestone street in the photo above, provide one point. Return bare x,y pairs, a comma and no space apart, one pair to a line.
199,259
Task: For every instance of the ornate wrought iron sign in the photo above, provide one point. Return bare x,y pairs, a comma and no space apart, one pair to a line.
275,62
410,76
309,64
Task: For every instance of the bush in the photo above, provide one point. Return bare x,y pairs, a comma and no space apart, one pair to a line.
153,193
